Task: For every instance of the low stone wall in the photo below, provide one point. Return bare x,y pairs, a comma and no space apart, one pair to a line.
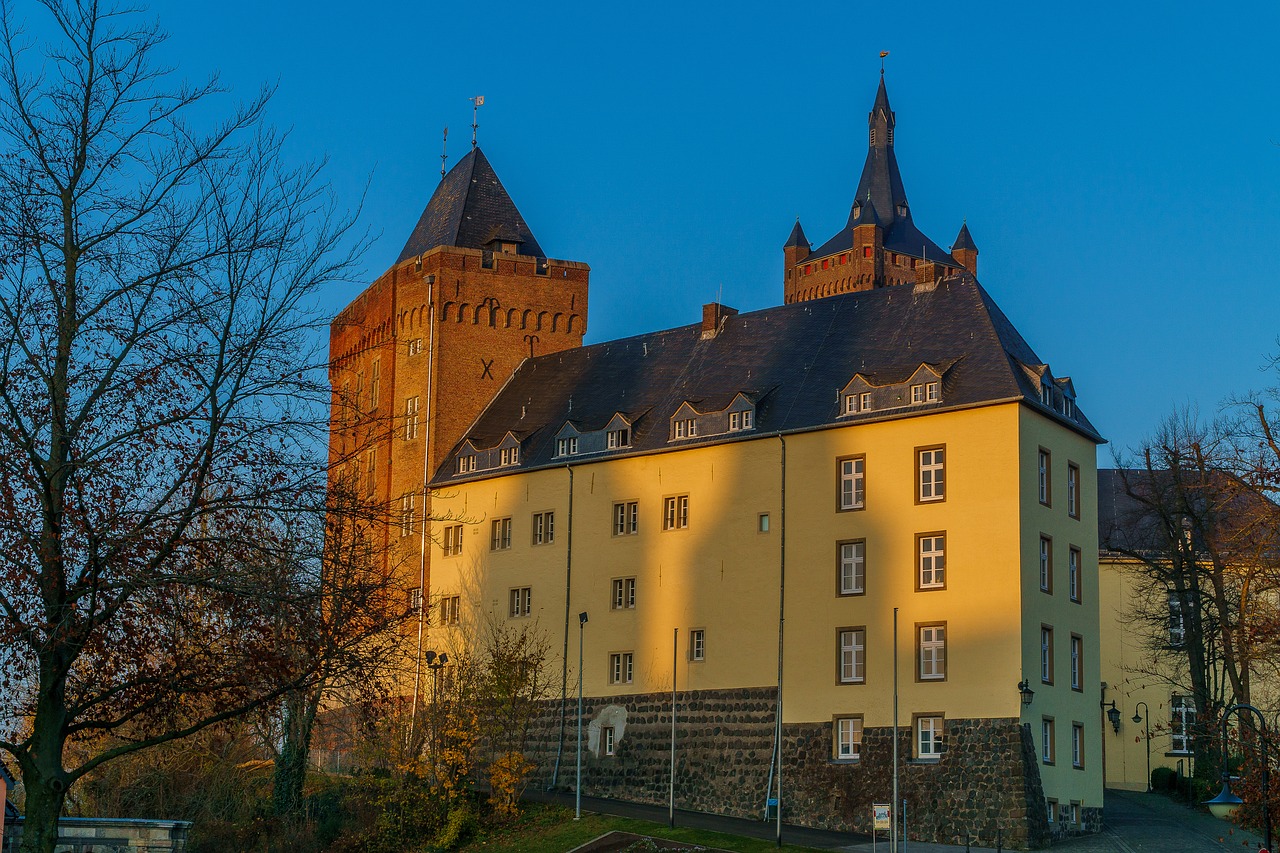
986,785
109,835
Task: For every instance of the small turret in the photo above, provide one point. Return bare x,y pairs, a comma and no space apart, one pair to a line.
965,250
797,247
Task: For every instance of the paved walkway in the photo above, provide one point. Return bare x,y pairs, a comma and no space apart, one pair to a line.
1134,823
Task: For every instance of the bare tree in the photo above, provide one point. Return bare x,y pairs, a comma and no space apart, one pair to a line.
157,399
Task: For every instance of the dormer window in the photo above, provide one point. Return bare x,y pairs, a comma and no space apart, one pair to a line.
1046,394
917,394
686,428
467,463
1069,407
509,456
567,446
931,392
864,401
851,404
739,421
619,438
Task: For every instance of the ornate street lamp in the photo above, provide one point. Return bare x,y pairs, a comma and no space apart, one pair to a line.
1146,730
1226,803
1026,691
1113,716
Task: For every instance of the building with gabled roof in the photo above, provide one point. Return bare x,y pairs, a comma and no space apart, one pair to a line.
869,506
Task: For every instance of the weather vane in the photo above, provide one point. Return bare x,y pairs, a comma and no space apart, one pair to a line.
883,54
476,103
444,156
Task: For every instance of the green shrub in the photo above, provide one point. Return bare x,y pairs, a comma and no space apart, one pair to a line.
457,828
1164,779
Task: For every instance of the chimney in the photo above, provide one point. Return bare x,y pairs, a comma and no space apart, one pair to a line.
713,316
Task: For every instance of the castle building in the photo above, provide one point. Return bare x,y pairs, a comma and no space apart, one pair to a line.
871,503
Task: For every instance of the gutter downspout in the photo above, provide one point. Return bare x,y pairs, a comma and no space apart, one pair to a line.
775,768
564,657
426,516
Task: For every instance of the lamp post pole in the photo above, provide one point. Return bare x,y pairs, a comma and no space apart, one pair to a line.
1226,803
577,788
1145,719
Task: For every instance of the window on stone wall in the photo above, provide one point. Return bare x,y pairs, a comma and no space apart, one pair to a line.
847,733
929,736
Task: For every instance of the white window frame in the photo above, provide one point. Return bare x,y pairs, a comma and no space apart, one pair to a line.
853,482
509,456
1074,556
852,647
1077,662
410,418
1077,745
686,428
931,392
1044,467
414,346
675,512
1177,621
1046,564
452,542
917,395
619,438
864,401
931,561
621,667
850,404
1073,490
1046,654
1182,719
1048,734
931,474
853,567
408,513
932,658
567,446
930,737
500,538
697,644
848,732
623,595
544,528
626,518
520,602
607,740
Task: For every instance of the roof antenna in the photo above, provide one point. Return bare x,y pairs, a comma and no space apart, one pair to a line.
883,54
444,156
476,103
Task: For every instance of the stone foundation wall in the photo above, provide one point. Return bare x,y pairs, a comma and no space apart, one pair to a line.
108,835
986,783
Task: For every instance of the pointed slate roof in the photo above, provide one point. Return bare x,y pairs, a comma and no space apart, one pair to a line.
797,237
803,353
964,240
468,208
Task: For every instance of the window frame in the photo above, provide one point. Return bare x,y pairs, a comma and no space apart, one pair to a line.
1077,745
858,643
543,526
618,438
934,584
857,588
856,734
1182,719
1075,559
675,512
939,741
939,494
1073,490
500,534
697,645
854,477
1044,476
408,514
451,540
567,446
1048,740
626,518
1076,665
1046,654
519,602
411,417
621,668
451,609
608,742
1045,559
939,664
622,593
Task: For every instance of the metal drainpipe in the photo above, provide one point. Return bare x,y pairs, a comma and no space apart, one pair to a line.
782,598
426,476
564,674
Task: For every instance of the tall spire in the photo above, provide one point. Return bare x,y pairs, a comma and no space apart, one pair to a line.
881,182
880,122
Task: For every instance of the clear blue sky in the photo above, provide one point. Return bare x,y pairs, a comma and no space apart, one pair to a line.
1117,163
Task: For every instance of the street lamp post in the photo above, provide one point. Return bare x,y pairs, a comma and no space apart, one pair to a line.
577,788
1225,804
1146,732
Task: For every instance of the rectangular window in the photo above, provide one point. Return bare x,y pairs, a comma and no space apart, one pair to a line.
866,250
624,594
1046,654
864,402
619,438
509,456
370,469
1047,752
1046,564
931,656
686,428
621,665
521,602
1052,806
466,463
1077,745
917,393
762,523
414,346
607,739
675,512
1182,723
929,737
931,392
1077,662
931,549
501,538
408,513
626,518
853,568
697,644
1073,490
850,404
1073,573
567,446
853,655
451,610
1073,813
1177,628
1042,474
415,599
853,482
375,383
544,528
410,418
739,421
848,738
452,540
931,474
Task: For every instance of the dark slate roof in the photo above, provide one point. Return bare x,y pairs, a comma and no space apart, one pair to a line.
797,237
469,207
882,99
964,240
797,357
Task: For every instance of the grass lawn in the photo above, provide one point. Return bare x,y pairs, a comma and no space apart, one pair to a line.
552,829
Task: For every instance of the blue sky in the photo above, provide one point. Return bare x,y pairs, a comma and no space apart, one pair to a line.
1118,167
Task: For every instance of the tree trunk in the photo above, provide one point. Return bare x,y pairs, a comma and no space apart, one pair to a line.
290,777
46,791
